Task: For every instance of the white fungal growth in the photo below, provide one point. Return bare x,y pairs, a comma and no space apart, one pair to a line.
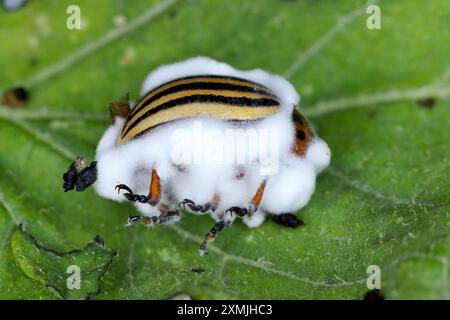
204,157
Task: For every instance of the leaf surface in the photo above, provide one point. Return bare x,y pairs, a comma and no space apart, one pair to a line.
384,200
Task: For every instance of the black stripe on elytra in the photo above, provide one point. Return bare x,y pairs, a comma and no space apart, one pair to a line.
199,86
205,98
203,76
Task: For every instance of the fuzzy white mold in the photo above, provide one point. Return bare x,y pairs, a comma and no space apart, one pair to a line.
290,178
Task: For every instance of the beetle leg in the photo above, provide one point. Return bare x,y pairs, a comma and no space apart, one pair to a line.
197,207
169,217
210,236
239,211
256,200
165,209
154,194
287,219
130,195
80,175
210,206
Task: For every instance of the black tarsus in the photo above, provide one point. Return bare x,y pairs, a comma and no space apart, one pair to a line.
131,196
133,219
240,212
196,207
287,219
219,226
154,220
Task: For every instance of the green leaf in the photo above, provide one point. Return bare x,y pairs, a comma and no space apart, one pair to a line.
380,98
55,270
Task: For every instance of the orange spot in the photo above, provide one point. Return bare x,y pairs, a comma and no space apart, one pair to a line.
259,194
155,188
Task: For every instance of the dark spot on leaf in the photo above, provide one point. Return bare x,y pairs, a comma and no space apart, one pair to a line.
375,294
372,113
98,240
426,102
15,97
172,14
33,61
198,270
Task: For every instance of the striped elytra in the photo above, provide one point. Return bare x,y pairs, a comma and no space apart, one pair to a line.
222,97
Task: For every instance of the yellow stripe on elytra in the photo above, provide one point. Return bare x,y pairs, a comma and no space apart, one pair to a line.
181,94
193,80
216,110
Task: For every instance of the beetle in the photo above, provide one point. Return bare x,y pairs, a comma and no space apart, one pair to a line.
146,154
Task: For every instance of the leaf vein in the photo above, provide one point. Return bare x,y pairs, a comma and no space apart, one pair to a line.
97,44
305,55
8,209
364,100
